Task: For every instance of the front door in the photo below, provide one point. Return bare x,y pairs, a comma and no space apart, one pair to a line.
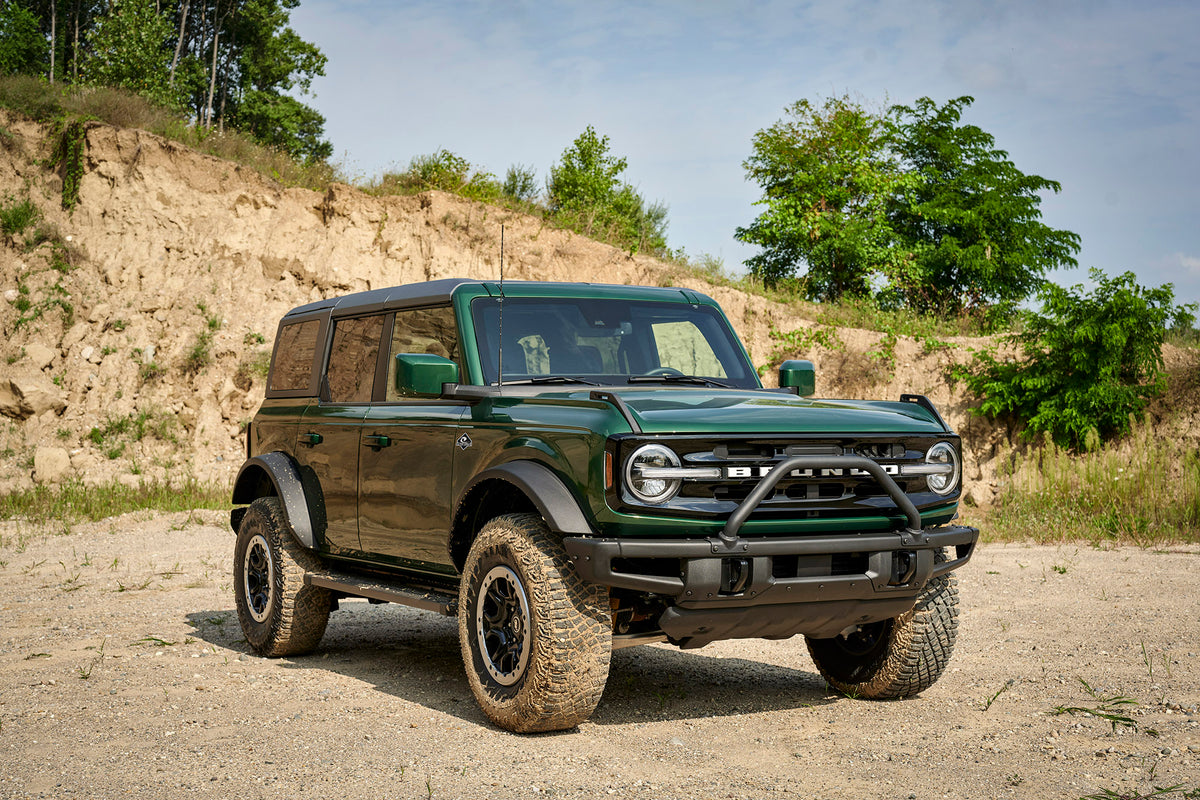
405,481
406,452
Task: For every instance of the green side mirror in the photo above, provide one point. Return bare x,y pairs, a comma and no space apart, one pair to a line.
798,375
423,374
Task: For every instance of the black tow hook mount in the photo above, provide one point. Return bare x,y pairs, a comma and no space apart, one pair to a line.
904,566
735,575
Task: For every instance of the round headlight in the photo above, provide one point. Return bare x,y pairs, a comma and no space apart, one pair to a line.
640,475
945,482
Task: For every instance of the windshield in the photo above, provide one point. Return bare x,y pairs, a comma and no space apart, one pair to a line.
608,341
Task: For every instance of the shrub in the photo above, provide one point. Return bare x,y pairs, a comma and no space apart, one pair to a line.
520,184
1089,361
17,215
444,171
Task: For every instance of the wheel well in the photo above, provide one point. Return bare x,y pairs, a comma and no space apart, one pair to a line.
487,500
253,484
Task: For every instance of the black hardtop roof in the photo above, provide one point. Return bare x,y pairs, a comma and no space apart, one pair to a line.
439,292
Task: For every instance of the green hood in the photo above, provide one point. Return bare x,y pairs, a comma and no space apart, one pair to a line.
671,410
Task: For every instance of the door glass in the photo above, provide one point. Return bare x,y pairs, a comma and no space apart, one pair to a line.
294,356
429,331
352,359
682,346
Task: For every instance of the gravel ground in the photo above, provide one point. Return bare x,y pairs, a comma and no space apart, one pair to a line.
123,673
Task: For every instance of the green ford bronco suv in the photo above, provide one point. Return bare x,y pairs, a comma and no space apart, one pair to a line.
574,468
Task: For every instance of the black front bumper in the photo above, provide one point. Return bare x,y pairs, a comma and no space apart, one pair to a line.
787,585
704,562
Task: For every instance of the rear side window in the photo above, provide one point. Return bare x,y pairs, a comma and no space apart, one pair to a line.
353,358
292,371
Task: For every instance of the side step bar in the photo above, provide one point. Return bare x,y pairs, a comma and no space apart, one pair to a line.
358,587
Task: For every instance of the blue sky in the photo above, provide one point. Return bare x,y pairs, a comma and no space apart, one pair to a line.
1103,97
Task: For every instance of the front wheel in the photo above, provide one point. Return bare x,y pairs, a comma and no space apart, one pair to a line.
536,639
897,657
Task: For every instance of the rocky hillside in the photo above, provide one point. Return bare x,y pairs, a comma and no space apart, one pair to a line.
136,328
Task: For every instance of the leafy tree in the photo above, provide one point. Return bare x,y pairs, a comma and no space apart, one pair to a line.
970,226
23,50
283,122
908,199
272,61
1088,361
827,176
587,177
585,191
130,48
229,62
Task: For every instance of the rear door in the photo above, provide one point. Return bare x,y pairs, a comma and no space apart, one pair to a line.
327,440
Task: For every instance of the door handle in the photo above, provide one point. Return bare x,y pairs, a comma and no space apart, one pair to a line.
376,441
311,439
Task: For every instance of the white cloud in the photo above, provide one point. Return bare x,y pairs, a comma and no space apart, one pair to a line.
1189,264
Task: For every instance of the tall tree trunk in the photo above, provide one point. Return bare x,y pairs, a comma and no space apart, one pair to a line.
75,46
53,36
212,79
183,13
225,81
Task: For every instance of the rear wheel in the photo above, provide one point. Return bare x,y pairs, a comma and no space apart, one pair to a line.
536,639
280,615
897,657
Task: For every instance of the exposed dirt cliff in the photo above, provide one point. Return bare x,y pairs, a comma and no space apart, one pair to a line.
135,336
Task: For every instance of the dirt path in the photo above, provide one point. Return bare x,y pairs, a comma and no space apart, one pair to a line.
123,673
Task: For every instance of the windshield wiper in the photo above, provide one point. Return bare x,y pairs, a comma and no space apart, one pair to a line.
550,379
694,379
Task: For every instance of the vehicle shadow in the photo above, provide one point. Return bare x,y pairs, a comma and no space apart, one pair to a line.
414,656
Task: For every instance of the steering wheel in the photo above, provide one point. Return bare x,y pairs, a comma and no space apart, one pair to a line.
662,371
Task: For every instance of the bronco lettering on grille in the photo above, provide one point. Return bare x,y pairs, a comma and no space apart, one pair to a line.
760,471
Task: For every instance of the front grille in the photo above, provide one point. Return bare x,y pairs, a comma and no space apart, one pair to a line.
732,469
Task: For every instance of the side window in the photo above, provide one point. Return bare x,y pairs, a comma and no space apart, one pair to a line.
353,357
429,331
294,353
683,346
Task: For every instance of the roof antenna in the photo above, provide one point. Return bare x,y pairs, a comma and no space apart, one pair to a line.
500,326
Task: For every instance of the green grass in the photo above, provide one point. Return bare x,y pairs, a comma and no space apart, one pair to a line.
34,98
73,502
1142,490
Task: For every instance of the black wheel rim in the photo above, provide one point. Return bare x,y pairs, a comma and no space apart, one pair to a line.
257,572
864,641
502,625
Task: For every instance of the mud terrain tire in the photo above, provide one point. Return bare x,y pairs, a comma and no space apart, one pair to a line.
897,657
536,639
280,615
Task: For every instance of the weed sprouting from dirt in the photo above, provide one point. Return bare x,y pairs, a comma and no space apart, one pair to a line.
85,672
1109,708
1003,688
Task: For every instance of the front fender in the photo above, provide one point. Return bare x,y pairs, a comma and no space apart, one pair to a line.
553,499
284,477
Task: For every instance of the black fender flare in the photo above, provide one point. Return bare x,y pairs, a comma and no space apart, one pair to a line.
553,499
285,476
